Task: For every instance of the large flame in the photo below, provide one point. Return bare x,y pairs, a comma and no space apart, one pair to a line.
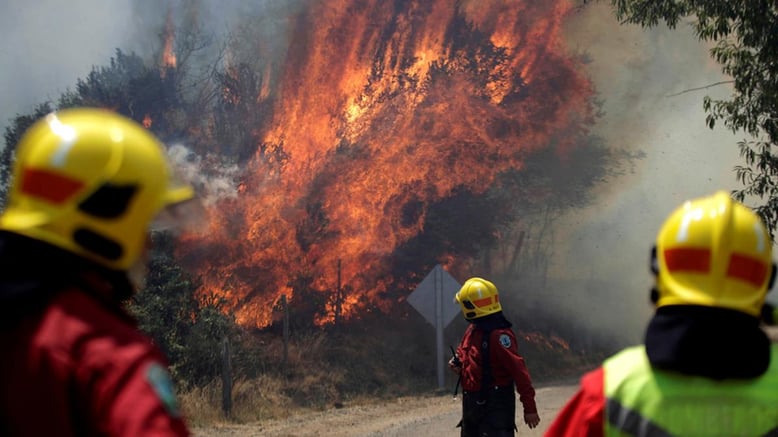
386,107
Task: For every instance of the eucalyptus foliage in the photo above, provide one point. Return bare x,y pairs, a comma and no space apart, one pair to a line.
745,37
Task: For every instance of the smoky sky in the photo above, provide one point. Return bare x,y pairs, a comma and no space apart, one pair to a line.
645,78
46,45
601,252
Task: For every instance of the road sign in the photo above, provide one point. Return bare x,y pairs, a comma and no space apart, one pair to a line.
425,297
433,298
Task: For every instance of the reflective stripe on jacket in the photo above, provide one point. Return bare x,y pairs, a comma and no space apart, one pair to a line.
642,401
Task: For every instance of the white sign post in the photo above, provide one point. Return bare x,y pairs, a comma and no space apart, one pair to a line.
433,298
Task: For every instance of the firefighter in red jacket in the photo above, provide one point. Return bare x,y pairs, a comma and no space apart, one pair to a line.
706,367
86,184
490,367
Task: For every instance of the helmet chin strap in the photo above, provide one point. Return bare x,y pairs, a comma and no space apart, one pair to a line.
654,262
654,266
769,314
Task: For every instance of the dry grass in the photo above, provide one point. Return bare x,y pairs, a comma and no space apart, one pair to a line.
276,391
252,400
329,370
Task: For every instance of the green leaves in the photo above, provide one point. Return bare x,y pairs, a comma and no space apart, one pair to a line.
649,12
188,329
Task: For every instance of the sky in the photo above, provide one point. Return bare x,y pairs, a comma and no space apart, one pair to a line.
45,47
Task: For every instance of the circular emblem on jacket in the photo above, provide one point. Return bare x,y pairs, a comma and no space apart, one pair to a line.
159,378
505,340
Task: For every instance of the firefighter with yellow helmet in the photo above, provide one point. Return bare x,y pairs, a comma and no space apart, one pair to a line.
490,367
86,185
706,367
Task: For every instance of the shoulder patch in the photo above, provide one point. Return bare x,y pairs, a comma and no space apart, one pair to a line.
505,340
160,380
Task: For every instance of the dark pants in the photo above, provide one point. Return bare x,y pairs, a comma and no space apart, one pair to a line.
494,416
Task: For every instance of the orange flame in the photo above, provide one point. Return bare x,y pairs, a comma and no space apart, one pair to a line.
168,55
147,121
380,114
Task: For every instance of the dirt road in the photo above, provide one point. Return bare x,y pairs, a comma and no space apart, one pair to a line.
434,416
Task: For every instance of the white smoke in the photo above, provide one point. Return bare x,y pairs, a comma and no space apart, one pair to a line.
213,181
643,76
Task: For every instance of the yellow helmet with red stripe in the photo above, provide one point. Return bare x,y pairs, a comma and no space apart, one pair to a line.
478,297
90,181
714,251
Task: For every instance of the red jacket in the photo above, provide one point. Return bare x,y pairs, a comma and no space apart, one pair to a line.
507,366
79,367
584,413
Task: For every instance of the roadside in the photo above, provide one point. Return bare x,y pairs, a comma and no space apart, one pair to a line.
404,417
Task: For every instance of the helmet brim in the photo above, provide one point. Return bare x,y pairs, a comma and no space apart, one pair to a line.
15,220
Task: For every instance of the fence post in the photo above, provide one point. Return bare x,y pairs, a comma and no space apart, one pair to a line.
285,307
226,378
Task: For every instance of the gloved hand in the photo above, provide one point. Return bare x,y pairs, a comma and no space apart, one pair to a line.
455,365
531,419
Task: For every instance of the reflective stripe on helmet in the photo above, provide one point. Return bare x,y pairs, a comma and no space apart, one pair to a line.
747,268
47,185
740,266
689,259
485,301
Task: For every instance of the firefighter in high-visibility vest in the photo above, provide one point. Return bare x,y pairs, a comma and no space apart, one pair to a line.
86,185
490,367
706,368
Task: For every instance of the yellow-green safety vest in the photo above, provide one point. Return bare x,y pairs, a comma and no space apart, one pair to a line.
641,401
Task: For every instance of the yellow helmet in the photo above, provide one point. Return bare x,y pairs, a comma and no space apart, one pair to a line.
716,252
478,297
90,181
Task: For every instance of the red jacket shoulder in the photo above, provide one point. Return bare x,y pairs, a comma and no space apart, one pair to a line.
584,413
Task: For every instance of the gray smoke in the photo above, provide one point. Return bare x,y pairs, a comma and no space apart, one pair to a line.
643,76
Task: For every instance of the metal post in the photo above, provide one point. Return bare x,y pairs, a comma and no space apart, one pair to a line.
439,324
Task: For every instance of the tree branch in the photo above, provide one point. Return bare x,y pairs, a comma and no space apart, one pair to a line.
700,88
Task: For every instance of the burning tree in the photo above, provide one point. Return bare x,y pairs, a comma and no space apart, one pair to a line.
389,137
387,119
